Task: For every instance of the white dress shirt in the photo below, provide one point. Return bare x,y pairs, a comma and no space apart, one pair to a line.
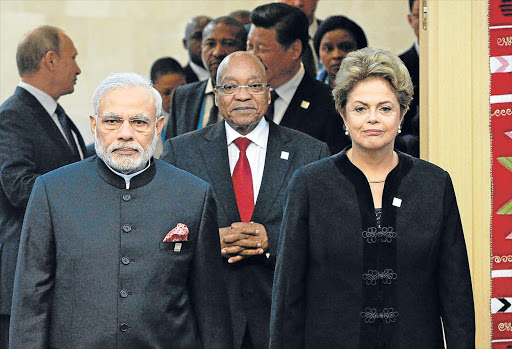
202,74
256,151
286,92
50,105
208,103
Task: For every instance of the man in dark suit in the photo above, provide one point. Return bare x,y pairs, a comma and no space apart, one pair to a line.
278,34
104,261
248,161
193,105
36,136
194,70
310,59
410,127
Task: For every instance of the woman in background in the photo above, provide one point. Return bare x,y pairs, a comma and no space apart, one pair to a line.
372,252
334,39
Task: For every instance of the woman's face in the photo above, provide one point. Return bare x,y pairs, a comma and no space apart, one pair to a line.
372,115
334,46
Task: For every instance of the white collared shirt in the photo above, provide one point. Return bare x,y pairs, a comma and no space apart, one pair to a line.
286,92
208,103
312,29
50,105
256,151
202,74
128,177
417,47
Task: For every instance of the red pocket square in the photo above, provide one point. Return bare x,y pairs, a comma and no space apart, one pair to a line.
179,233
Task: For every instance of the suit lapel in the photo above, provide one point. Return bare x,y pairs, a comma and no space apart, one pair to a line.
196,98
215,154
274,173
298,105
46,121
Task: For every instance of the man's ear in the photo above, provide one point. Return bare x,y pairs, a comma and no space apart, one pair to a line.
50,60
159,125
92,123
296,49
216,97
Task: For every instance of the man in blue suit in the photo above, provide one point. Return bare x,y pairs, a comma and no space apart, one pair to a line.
36,136
106,263
248,160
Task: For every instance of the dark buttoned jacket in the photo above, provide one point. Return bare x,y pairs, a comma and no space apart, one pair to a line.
345,279
31,144
94,271
187,102
205,154
190,75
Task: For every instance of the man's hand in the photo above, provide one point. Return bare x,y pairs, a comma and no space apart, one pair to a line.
242,240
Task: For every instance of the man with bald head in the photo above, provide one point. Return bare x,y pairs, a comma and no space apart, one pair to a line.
195,70
36,136
193,104
248,160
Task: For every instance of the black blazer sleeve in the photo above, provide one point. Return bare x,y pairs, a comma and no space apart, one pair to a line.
35,274
454,278
288,302
208,289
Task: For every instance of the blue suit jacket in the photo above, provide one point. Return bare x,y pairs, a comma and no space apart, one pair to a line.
30,145
205,154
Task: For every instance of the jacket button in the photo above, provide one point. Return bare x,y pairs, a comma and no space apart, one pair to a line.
123,327
127,197
123,294
127,228
125,260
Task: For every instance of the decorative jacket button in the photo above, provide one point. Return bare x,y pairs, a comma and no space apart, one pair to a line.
125,260
123,327
127,228
127,197
123,293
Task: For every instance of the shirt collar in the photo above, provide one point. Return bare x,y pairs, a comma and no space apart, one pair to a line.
417,47
287,90
209,87
47,101
313,28
258,136
128,177
202,74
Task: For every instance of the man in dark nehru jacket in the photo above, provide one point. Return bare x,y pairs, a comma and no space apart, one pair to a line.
192,105
106,263
278,36
248,161
36,136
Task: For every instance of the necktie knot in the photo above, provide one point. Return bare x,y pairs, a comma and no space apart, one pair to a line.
273,95
242,143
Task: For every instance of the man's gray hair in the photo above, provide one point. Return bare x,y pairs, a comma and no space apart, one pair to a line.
125,79
34,46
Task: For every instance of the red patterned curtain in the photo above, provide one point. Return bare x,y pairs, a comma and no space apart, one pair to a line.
500,64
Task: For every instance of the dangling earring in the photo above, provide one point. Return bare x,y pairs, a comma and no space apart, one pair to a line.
346,129
399,130
346,132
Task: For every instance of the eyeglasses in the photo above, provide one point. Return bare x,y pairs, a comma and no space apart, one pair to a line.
253,89
137,123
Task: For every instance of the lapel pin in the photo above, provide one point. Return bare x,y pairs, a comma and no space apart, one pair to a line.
304,104
285,155
397,202
177,247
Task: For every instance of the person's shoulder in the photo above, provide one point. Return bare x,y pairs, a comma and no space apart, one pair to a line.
409,54
80,168
319,93
423,168
178,176
192,136
300,138
190,87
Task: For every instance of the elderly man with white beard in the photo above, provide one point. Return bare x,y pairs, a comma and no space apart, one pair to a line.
121,250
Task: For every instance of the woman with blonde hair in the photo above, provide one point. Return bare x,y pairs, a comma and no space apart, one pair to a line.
372,252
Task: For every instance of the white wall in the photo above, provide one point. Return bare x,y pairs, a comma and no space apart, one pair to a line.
128,35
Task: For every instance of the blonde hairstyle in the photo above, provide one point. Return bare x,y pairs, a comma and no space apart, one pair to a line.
372,62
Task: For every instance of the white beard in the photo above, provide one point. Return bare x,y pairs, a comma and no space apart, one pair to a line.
125,163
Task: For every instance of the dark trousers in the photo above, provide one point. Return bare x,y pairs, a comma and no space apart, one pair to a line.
4,331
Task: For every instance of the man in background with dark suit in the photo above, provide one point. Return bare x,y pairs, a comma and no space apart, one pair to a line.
194,70
410,127
106,263
248,161
193,104
278,34
36,136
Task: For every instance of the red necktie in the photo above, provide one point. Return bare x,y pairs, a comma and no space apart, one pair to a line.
242,181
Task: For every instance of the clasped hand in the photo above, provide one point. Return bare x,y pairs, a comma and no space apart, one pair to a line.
242,240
